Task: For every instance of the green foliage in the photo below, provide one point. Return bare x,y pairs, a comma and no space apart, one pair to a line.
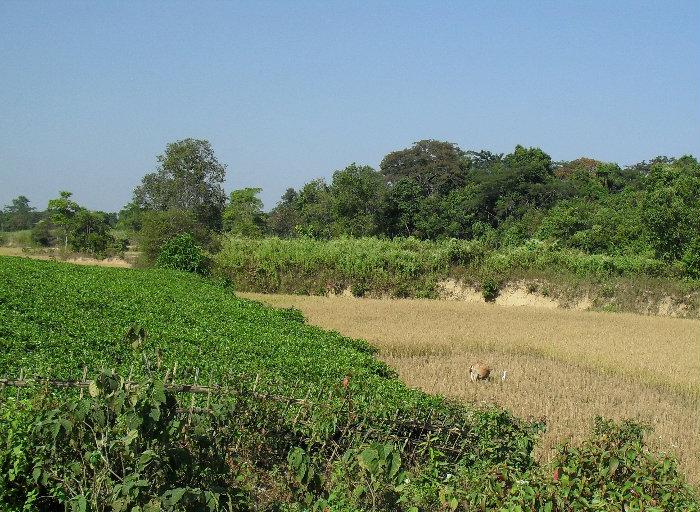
671,207
243,215
90,232
434,190
489,289
285,216
368,475
368,265
61,212
408,267
81,229
691,259
183,253
119,450
612,470
188,178
159,227
129,218
402,207
356,194
18,215
15,465
435,166
314,206
42,233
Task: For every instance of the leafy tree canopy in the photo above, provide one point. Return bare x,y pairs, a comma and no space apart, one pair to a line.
284,217
18,215
158,227
356,194
436,166
244,215
314,204
188,178
82,229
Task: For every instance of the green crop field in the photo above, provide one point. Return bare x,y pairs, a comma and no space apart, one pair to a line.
309,419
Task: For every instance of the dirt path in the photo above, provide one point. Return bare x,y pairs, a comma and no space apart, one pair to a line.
53,256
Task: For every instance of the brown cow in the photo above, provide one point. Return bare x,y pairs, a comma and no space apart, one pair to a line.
479,371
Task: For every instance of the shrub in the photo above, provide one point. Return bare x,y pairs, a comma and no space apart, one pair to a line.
42,234
489,289
183,253
611,470
159,227
691,260
90,231
358,289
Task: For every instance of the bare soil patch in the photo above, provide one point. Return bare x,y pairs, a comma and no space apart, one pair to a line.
49,254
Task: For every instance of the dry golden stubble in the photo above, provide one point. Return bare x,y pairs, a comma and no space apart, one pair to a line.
566,366
566,395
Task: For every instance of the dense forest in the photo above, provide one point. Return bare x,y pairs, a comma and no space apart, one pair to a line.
432,190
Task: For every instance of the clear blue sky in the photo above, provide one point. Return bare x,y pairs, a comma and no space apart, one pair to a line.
91,92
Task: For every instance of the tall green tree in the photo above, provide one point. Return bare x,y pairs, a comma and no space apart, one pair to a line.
356,193
523,180
671,207
243,214
188,178
532,164
90,232
80,228
401,207
436,166
315,206
285,217
18,215
61,211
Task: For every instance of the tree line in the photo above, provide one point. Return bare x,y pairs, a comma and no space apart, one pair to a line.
430,190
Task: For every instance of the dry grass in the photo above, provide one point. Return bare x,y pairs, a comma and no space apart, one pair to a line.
56,255
565,366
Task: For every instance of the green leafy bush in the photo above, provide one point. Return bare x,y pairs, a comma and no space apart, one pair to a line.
109,452
183,253
489,289
158,227
611,470
691,260
42,233
90,232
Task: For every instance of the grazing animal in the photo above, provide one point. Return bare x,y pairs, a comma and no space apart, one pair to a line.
479,371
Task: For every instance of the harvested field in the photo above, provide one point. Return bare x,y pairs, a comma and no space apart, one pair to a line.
565,366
